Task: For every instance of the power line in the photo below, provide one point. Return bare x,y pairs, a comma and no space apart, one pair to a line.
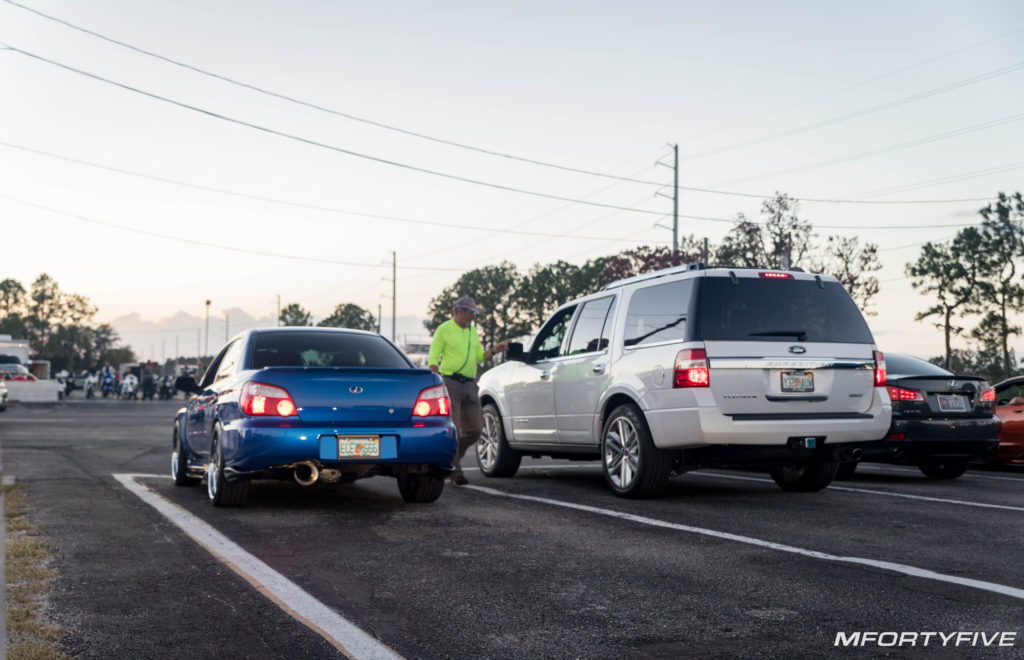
882,150
218,246
860,113
849,87
314,106
323,145
285,202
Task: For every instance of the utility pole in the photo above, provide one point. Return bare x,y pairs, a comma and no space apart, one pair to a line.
225,326
378,317
206,342
394,292
279,309
675,199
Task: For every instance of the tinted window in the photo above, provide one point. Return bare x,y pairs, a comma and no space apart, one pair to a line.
904,365
590,332
324,349
658,313
775,310
229,361
548,343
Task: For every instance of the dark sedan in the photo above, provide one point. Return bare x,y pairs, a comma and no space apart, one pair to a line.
313,405
940,421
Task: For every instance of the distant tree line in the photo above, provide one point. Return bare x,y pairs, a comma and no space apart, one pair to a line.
345,315
976,278
58,325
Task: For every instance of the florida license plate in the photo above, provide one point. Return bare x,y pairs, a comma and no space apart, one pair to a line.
358,446
797,381
952,403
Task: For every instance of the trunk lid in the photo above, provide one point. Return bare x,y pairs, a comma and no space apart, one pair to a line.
337,395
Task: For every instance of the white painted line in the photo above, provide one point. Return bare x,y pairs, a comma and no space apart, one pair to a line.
912,571
971,474
340,632
940,500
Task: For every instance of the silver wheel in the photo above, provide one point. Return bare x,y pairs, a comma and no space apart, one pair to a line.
621,452
487,446
211,480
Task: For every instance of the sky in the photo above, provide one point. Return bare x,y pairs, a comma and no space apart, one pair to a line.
450,135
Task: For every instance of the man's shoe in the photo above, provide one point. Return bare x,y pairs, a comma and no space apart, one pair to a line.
459,480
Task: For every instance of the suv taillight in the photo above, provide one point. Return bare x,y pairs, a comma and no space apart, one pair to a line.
774,275
692,368
432,402
880,374
989,395
262,399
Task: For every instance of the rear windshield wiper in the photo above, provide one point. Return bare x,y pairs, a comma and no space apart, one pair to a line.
801,335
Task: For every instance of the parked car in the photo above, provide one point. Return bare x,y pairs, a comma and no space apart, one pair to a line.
691,367
11,371
313,405
941,421
3,396
1009,402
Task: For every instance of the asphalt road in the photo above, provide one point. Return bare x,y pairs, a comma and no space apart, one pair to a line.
548,564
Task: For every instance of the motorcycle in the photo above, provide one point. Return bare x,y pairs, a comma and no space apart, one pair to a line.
167,390
129,387
108,385
92,381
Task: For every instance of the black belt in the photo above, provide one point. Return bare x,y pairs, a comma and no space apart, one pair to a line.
459,378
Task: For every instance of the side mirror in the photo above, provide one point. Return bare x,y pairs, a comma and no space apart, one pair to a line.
186,384
515,352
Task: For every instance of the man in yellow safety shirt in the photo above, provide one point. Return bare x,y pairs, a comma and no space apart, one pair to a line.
454,353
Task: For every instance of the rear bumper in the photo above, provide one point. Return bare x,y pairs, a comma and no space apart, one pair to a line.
252,448
697,427
924,438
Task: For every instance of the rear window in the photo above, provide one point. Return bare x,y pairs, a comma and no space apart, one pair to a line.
904,365
658,313
325,349
756,309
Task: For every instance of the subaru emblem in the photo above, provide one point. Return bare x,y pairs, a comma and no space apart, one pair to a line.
799,350
355,389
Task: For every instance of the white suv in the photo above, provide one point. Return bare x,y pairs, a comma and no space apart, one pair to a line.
687,368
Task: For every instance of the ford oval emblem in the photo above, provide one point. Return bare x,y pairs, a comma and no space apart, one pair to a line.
355,389
799,350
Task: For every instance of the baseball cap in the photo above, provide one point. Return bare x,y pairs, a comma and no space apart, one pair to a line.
465,302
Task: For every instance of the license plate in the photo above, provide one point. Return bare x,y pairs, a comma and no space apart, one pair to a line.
358,446
952,403
797,381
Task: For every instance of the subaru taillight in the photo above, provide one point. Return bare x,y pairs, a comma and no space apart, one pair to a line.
880,374
432,402
989,395
262,399
903,394
692,368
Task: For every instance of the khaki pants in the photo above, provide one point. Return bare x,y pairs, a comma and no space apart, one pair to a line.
466,415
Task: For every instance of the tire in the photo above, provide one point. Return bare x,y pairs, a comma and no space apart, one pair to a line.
221,491
944,468
493,455
846,470
420,488
633,467
806,477
179,462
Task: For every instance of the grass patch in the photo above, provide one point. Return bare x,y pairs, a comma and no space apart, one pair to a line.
30,578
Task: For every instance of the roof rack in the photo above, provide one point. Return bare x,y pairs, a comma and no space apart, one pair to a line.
685,268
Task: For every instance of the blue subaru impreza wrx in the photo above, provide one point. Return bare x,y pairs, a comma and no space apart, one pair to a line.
313,404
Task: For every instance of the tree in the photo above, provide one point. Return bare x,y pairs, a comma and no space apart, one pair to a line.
782,237
999,293
645,259
294,314
548,286
948,273
349,315
12,296
845,260
495,289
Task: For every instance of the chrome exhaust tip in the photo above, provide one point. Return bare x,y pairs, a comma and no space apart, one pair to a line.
306,473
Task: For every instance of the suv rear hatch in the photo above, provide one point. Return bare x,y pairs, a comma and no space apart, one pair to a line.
785,343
